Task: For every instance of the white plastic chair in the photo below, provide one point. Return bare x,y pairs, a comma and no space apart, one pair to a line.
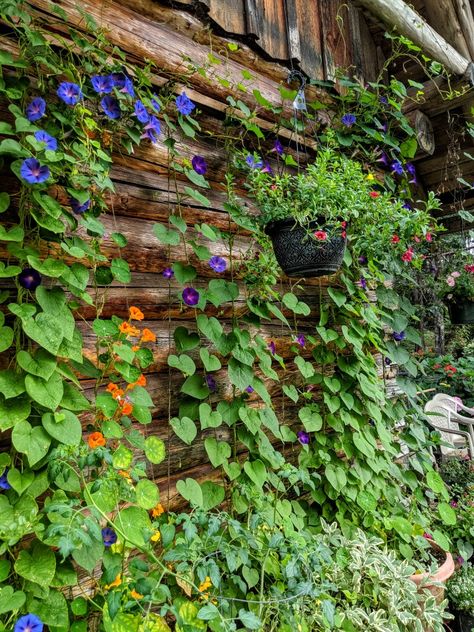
441,414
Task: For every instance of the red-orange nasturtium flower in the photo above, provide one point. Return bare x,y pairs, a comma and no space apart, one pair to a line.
157,511
127,408
148,336
141,381
112,387
96,440
117,394
136,314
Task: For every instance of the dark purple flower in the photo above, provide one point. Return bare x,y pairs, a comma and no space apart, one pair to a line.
453,504
383,159
460,560
102,84
29,278
383,100
152,129
168,273
141,113
31,171
190,296
69,92
363,260
218,264
397,167
278,147
199,165
29,623
253,162
43,137
412,171
250,389
303,437
272,347
77,207
155,104
35,109
111,107
128,87
211,383
398,336
348,120
123,83
184,105
387,361
4,484
267,168
109,536
363,283
407,205
384,127
300,339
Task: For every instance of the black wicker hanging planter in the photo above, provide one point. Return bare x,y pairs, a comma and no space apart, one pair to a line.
461,312
299,254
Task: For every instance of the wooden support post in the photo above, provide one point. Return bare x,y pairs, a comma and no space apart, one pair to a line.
441,15
466,19
397,14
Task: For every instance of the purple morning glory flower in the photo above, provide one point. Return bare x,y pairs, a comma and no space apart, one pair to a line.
271,347
69,92
77,207
383,159
128,87
278,147
267,168
249,389
407,205
460,560
397,167
387,361
141,113
123,83
190,296
29,623
348,120
168,273
184,104
398,336
303,437
362,259
199,165
102,84
363,283
111,107
383,100
109,536
155,104
412,171
211,383
218,264
50,142
4,484
152,129
29,278
253,163
35,109
384,127
31,171
301,340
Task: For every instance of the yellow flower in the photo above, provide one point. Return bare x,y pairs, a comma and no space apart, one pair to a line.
370,176
117,581
205,585
156,537
157,511
135,594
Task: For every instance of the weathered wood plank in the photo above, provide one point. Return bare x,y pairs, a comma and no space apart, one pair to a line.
336,37
266,20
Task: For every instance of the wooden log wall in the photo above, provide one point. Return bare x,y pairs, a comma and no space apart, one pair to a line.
152,30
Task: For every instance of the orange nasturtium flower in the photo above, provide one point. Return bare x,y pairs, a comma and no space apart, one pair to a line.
148,336
135,594
141,381
112,387
117,394
127,408
157,510
96,440
117,581
135,313
135,348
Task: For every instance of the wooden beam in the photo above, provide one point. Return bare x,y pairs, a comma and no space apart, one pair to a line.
466,19
441,14
397,14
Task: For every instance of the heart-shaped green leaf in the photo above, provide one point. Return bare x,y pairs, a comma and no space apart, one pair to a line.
37,564
47,393
64,426
34,442
41,363
46,330
11,599
191,491
185,428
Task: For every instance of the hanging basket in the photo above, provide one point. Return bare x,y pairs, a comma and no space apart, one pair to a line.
299,254
463,621
462,312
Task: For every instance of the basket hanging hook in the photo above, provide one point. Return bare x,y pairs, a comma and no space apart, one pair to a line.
299,102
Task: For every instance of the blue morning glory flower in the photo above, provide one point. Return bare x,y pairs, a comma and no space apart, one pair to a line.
77,207
141,113
278,147
50,142
109,536
211,383
249,389
184,104
397,167
29,623
155,104
303,437
111,107
69,92
199,165
190,296
399,336
348,120
35,109
102,84
168,273
218,264
253,162
300,339
152,129
31,171
4,484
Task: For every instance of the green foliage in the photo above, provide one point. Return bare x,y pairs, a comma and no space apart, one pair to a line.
460,589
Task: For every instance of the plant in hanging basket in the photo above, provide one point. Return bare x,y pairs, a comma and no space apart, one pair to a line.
460,591
310,215
457,290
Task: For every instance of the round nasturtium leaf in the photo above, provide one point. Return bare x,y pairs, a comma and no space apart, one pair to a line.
155,450
148,495
122,458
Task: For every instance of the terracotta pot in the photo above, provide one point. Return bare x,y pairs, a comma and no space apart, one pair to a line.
436,581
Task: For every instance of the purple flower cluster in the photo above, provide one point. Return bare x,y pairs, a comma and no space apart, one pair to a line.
184,105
